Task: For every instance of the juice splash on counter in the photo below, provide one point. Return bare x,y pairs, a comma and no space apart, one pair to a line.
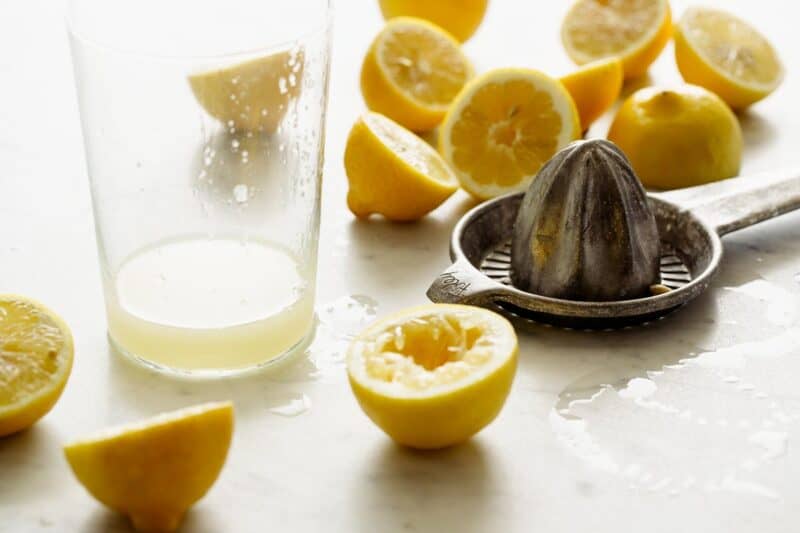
206,304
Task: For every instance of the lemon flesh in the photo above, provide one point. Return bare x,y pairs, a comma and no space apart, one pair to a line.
412,72
36,352
724,54
459,17
393,172
503,127
433,376
636,31
595,87
154,470
678,137
254,95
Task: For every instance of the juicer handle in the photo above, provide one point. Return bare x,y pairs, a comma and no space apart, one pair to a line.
462,283
737,203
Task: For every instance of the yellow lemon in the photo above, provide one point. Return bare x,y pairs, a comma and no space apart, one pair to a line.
36,353
412,72
433,376
459,17
678,137
727,56
393,172
154,470
503,126
636,31
595,87
254,95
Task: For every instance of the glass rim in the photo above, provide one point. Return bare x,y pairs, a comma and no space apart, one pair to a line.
324,25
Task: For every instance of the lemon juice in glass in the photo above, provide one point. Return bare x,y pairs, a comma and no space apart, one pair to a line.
204,129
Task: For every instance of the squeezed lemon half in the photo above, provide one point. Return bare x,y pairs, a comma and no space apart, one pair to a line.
36,352
433,376
154,470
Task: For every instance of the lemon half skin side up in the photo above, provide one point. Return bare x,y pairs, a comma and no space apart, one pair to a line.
433,419
154,470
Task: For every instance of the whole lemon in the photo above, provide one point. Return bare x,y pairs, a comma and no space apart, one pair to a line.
678,137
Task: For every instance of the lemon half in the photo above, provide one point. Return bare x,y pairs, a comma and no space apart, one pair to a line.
503,126
412,72
727,56
393,172
36,352
433,376
636,31
154,470
253,95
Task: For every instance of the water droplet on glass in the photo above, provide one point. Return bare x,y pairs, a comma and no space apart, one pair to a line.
240,193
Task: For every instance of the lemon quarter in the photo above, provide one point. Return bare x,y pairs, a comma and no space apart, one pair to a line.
154,470
412,72
36,353
595,87
433,376
727,56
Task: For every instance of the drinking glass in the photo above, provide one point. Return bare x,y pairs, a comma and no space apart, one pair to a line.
203,123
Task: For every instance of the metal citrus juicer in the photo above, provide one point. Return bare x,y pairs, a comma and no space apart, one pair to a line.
690,223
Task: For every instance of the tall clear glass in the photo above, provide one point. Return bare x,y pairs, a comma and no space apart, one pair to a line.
203,122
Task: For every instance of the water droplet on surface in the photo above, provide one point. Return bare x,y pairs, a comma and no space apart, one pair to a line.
774,443
294,407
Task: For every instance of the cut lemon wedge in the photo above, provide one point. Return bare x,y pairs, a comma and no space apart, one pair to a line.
503,127
412,72
595,87
433,376
154,470
393,172
36,353
254,95
636,31
727,56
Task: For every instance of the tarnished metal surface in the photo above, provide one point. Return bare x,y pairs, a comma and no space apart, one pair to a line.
690,223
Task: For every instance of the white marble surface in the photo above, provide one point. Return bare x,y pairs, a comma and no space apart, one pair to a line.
689,425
